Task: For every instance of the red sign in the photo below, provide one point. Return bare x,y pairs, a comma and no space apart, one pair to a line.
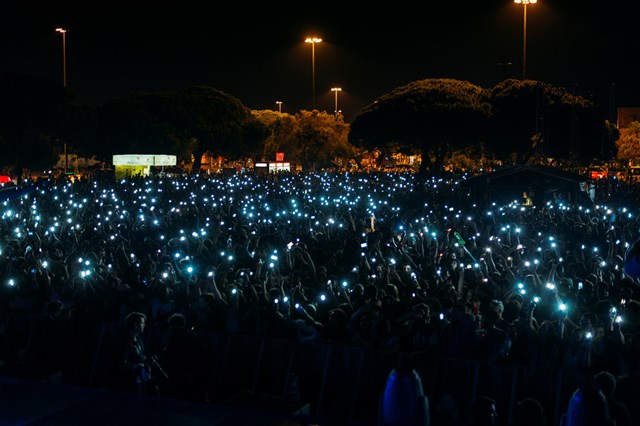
279,156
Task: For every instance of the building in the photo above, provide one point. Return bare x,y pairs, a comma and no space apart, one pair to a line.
627,115
128,165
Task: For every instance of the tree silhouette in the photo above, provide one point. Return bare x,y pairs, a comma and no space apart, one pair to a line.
532,119
431,117
29,111
313,139
189,123
629,143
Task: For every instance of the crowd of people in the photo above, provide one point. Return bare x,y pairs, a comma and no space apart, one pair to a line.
385,261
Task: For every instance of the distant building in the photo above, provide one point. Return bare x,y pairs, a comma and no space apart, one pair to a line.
627,115
76,162
140,164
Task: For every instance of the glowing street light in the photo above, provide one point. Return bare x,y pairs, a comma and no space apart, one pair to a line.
279,103
64,55
524,38
336,90
313,41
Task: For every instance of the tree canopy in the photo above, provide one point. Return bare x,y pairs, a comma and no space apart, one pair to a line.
313,139
517,121
535,119
190,122
430,117
29,111
629,143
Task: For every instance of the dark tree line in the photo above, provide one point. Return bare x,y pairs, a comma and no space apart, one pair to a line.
516,121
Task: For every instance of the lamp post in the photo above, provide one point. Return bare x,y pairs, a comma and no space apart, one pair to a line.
313,41
524,37
64,55
64,83
336,90
279,103
504,64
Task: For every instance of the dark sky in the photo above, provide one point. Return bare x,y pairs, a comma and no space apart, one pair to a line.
259,56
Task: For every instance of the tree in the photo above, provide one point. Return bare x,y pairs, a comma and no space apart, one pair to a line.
430,117
77,129
281,133
611,136
28,113
310,138
217,121
129,125
532,119
188,123
629,143
321,138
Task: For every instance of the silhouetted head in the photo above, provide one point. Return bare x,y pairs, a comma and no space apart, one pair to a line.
483,411
529,412
588,407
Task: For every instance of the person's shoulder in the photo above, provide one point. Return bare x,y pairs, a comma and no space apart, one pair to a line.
495,333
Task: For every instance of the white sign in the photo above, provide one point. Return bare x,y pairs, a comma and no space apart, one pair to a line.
144,160
165,160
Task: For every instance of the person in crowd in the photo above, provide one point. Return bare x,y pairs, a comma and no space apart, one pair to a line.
395,275
134,360
483,411
529,412
494,343
183,362
587,407
50,345
606,383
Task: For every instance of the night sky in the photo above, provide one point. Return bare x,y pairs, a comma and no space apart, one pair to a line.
259,56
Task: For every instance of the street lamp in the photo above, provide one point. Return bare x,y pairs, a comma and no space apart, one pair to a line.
336,90
524,38
504,64
313,41
64,54
279,103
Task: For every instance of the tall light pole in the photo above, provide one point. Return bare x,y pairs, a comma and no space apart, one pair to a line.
336,90
64,83
313,41
279,103
524,37
504,64
64,54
